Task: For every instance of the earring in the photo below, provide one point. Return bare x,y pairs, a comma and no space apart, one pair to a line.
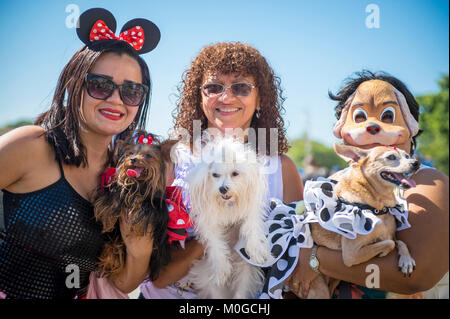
132,126
258,113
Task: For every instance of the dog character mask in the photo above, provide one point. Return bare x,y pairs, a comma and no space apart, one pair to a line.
376,113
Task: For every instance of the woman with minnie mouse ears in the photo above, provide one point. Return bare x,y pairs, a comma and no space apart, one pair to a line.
50,171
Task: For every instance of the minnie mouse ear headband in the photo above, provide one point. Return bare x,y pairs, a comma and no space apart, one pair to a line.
98,25
411,122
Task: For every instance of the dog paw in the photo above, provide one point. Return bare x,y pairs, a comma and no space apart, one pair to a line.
222,273
406,264
388,246
259,251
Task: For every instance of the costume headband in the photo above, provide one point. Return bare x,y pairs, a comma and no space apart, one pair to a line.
97,25
411,123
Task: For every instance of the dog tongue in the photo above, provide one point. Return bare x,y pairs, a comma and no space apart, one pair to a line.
134,172
404,180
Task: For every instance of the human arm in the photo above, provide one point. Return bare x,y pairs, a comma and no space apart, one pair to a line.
138,252
23,155
181,262
292,182
427,241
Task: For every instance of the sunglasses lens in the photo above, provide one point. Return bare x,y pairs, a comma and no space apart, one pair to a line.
212,89
132,93
238,89
241,89
99,88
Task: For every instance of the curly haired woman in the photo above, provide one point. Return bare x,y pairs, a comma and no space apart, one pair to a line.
228,86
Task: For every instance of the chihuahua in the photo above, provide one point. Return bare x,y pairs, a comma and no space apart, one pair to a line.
369,181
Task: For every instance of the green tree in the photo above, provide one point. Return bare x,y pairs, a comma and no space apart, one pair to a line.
11,126
433,142
325,156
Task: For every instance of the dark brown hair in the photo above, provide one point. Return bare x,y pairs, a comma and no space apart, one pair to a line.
242,59
61,121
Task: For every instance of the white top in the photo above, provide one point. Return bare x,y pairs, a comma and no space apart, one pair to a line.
182,289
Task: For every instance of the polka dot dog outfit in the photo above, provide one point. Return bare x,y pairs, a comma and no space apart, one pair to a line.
288,226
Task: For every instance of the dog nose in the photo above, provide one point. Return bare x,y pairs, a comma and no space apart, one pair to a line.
415,165
372,128
133,160
223,190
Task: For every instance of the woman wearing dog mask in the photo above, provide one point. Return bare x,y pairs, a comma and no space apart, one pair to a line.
378,109
229,86
50,171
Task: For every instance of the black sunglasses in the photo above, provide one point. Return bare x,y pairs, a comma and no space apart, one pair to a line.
102,87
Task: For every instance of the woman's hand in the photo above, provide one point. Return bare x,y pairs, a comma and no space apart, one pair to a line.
139,251
302,276
138,247
181,262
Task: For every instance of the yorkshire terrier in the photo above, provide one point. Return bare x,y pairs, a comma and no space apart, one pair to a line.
134,192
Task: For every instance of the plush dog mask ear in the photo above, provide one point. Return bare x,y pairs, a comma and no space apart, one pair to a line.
411,122
340,123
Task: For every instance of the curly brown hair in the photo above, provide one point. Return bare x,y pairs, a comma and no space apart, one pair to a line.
244,60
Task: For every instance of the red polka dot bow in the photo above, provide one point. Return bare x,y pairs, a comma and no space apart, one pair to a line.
145,140
134,36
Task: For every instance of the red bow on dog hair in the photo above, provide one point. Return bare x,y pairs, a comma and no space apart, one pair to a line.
145,140
134,36
179,219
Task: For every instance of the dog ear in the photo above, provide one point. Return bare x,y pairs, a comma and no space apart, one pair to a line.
166,149
350,154
197,178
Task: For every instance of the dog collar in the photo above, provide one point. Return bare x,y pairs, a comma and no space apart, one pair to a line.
375,211
344,218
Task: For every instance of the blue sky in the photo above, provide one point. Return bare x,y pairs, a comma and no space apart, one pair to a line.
312,46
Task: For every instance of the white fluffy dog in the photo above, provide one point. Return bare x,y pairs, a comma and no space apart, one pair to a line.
228,194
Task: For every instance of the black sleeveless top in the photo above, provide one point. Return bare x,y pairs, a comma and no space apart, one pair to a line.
50,244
